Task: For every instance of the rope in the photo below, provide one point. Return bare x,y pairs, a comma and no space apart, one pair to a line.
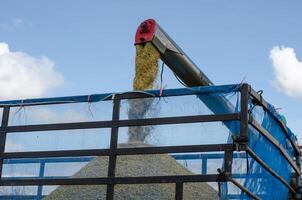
260,92
21,106
89,105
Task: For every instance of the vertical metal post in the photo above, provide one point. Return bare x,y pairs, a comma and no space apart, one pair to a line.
179,191
4,123
113,145
41,175
228,161
244,112
204,163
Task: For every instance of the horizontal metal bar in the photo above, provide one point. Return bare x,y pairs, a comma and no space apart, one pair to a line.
59,126
63,153
34,177
122,123
103,97
21,197
120,151
270,138
194,156
207,156
137,95
33,197
265,105
179,120
175,149
48,160
115,180
237,176
267,168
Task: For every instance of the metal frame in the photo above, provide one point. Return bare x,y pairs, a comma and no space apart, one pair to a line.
225,175
202,157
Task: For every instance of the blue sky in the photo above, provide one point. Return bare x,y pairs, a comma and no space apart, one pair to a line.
91,42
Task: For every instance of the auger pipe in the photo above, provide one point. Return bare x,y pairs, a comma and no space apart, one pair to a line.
183,67
171,54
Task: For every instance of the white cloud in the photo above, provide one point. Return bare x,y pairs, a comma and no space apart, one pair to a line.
288,71
24,76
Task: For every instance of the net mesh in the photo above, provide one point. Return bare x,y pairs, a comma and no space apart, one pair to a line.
175,102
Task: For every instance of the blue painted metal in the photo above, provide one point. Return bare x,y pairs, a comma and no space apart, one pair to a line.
44,161
102,97
48,160
41,174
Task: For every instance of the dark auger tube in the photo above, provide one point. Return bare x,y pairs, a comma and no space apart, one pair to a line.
171,54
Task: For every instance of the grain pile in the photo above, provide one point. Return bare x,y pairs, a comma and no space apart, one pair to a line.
131,166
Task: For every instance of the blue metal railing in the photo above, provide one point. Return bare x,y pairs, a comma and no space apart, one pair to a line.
44,161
